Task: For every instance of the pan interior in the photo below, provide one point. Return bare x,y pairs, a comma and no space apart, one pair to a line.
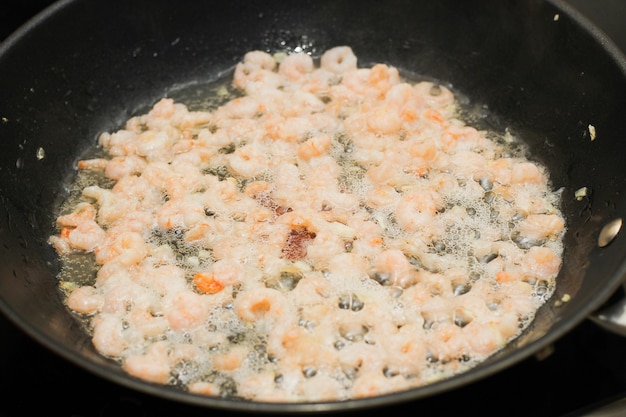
548,79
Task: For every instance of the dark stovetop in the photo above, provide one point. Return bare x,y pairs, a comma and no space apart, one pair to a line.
586,370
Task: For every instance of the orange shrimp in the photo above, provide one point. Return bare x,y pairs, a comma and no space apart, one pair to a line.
207,283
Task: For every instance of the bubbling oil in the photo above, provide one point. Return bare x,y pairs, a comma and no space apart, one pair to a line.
483,213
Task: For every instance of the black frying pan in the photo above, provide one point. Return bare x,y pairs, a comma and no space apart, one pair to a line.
85,66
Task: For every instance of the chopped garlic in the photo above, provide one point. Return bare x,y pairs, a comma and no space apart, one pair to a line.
580,193
592,132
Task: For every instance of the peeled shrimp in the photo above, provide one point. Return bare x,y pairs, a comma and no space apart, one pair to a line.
333,232
295,66
126,248
85,300
416,210
186,311
339,59
261,304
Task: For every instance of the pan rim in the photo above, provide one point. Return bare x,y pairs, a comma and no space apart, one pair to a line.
413,394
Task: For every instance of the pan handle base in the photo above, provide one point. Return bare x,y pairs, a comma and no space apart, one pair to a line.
612,316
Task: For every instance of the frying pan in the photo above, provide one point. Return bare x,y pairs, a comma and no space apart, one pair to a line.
85,66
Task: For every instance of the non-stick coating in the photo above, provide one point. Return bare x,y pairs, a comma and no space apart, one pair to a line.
85,66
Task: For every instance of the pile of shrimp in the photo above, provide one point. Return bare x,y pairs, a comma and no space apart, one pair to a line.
333,232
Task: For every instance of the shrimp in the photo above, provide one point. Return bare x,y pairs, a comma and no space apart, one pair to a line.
324,246
320,387
125,248
249,160
82,212
303,103
193,119
382,77
314,147
393,268
371,83
120,143
445,342
147,324
244,108
223,272
538,227
231,360
261,304
80,230
287,184
122,166
435,95
85,300
309,351
161,279
155,146
97,164
296,66
383,120
483,338
60,244
184,214
121,295
205,388
404,100
87,236
543,262
349,267
186,311
376,383
424,150
163,108
257,68
527,172
416,210
389,172
358,359
107,336
111,208
154,366
129,193
242,131
406,352
382,196
339,59
300,220
292,129
369,237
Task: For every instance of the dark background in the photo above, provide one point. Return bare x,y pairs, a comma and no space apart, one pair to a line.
586,370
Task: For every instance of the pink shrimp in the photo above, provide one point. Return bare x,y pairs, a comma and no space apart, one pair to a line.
314,147
80,230
416,210
186,311
543,262
393,268
154,366
256,68
262,303
339,59
107,334
126,248
85,300
541,226
295,66
527,172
